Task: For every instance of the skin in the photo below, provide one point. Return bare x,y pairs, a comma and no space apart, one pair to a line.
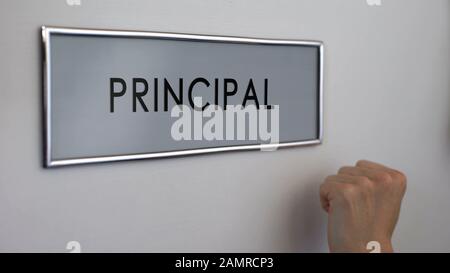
363,204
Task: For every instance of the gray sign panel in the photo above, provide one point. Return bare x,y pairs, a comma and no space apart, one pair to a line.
111,95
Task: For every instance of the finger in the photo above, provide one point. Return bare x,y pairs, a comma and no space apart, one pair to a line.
341,177
326,192
372,174
332,187
370,165
396,175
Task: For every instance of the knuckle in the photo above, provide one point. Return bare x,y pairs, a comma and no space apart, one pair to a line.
361,162
322,188
343,169
329,178
366,186
383,177
365,182
349,192
399,178
398,175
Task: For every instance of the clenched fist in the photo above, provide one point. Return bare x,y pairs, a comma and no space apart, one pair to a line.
363,204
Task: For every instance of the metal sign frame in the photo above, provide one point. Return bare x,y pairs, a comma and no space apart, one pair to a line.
47,91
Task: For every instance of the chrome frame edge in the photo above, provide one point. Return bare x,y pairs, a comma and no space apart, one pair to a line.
46,95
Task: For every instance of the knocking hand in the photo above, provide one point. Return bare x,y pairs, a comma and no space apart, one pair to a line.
363,205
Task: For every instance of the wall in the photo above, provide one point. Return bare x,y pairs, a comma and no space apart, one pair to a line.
386,99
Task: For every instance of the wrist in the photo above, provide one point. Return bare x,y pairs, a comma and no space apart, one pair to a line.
386,246
380,246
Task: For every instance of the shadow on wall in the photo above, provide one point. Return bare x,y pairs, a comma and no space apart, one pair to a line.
308,225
